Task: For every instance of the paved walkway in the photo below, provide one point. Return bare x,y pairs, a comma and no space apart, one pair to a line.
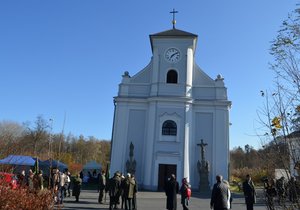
153,201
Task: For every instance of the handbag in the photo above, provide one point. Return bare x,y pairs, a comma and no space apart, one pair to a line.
188,192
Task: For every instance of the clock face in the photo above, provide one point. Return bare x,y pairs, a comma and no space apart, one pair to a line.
172,55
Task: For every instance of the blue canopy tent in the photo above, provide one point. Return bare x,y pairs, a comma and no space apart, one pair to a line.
18,160
54,164
50,164
19,163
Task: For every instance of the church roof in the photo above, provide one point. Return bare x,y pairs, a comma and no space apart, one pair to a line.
174,32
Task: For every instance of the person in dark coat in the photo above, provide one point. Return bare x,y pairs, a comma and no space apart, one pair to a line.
114,189
292,190
249,192
271,193
171,190
219,195
81,175
102,184
22,179
281,190
77,187
122,194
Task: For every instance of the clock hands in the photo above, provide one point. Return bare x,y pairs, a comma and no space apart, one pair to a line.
177,53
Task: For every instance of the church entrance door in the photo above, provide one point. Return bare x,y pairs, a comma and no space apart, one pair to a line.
164,172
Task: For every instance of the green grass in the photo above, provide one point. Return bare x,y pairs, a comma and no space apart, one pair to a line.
235,188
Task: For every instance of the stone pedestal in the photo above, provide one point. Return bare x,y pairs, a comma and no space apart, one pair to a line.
203,169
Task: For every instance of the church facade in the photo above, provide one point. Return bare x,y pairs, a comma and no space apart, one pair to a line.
170,116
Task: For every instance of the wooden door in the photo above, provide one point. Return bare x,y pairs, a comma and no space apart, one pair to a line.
164,173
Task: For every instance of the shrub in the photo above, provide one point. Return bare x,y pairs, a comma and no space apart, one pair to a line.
21,198
239,175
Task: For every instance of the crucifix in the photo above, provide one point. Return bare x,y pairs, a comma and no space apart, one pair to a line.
203,169
174,21
202,145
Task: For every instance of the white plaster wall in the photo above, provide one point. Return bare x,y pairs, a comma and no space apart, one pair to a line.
221,144
119,144
203,129
136,135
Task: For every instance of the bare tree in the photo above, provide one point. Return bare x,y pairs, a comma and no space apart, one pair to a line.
279,115
39,136
11,134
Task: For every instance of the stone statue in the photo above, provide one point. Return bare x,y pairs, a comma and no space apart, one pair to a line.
131,163
203,169
202,145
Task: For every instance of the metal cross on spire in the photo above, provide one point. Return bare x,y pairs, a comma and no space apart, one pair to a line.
174,21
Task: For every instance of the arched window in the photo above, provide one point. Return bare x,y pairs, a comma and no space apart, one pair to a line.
172,76
169,128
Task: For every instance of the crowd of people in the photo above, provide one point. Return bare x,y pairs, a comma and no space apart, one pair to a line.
58,182
60,185
122,190
221,198
280,190
34,181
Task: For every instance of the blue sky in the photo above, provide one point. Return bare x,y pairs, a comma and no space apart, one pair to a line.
65,58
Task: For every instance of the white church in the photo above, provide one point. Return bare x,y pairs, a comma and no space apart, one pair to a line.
164,111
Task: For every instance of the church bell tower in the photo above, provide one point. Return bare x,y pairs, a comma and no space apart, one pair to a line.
165,109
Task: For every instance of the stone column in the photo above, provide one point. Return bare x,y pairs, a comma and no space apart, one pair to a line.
187,140
188,113
189,71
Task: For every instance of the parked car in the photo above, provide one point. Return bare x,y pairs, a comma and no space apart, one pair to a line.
9,178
